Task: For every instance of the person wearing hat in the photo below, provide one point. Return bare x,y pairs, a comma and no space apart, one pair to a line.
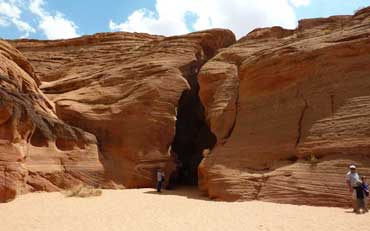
354,182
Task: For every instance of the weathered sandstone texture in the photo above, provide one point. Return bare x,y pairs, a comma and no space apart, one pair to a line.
128,89
290,110
277,115
37,150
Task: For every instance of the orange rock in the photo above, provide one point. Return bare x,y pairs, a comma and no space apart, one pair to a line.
37,150
278,116
125,88
290,110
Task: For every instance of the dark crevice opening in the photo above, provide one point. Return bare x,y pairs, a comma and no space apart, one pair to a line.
38,139
192,137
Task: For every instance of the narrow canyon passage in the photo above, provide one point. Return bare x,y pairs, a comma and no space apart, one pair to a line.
192,137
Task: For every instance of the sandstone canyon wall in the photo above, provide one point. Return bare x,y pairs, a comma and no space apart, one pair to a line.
37,150
290,110
278,115
126,88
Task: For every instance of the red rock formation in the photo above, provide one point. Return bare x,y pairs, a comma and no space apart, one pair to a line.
37,150
125,88
291,110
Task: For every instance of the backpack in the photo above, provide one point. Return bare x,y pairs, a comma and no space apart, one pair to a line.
366,189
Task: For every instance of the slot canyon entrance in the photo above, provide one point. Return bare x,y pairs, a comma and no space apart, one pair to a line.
192,137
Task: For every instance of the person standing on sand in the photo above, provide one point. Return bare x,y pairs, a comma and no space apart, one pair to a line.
160,179
365,189
354,184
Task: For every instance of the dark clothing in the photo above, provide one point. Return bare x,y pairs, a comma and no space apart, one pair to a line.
361,204
365,188
160,180
159,186
362,192
359,192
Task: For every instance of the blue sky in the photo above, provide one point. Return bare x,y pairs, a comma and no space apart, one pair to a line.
53,19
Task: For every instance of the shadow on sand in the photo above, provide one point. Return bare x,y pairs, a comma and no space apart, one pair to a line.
183,191
358,213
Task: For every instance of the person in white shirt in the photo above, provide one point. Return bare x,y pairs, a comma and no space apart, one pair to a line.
353,181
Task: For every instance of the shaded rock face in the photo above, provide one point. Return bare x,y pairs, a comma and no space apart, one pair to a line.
37,150
131,90
192,137
290,110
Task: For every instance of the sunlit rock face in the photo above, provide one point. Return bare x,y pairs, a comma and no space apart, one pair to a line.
125,88
38,151
276,116
290,110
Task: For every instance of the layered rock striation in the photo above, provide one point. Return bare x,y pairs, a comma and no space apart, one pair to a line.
290,110
38,151
278,115
126,89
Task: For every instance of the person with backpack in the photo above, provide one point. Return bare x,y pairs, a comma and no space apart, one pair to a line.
353,181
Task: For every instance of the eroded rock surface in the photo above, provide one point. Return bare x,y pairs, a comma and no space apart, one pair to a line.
37,150
278,116
126,89
290,110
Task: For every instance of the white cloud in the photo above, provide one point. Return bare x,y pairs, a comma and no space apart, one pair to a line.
24,27
241,16
58,27
36,7
11,13
54,27
146,21
9,10
298,3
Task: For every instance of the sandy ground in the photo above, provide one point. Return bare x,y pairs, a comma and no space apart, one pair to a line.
182,209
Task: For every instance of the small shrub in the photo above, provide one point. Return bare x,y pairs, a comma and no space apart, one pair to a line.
83,191
312,159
